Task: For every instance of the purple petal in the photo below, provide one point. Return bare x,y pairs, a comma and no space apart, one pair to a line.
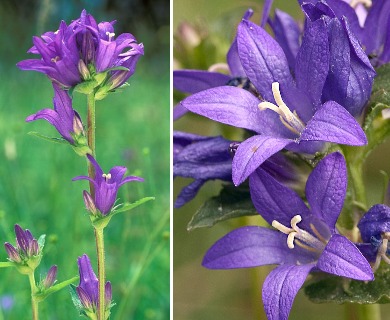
107,293
105,196
341,8
233,61
178,112
21,238
312,61
342,258
287,33
117,174
266,10
131,179
326,188
85,178
274,201
193,81
248,247
105,55
12,252
333,123
85,299
252,153
188,193
375,222
230,105
98,170
263,59
280,288
50,277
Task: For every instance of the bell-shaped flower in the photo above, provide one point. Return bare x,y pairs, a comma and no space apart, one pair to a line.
289,114
374,228
85,50
88,289
65,119
106,187
304,240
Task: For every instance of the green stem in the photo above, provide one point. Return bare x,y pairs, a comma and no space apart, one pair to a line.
34,302
99,234
362,311
91,126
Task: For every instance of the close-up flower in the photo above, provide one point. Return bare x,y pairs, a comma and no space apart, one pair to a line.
304,240
106,187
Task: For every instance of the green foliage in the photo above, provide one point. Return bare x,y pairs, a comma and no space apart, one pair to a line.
232,202
341,290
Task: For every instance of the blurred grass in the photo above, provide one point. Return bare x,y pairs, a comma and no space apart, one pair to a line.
199,293
36,190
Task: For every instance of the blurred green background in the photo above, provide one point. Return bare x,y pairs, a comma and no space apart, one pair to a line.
36,190
201,294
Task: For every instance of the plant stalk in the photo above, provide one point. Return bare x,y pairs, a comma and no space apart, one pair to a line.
34,302
91,128
99,234
362,311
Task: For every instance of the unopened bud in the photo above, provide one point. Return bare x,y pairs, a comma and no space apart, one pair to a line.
89,203
83,69
50,277
77,124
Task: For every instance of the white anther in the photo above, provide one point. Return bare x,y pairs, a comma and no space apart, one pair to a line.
110,35
366,3
288,118
290,239
106,176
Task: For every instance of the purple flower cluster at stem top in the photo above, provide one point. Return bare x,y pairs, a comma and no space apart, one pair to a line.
79,51
88,288
304,239
106,187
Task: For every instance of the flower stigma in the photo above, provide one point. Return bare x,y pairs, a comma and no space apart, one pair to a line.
289,119
301,237
110,35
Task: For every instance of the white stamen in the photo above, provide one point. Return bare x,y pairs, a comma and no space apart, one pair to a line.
110,35
288,118
309,242
366,3
106,176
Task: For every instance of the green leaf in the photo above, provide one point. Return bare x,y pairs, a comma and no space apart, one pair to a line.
42,295
130,206
339,290
119,68
41,241
232,202
41,136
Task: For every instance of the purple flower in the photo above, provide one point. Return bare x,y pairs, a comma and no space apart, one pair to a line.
208,158
83,50
88,288
64,118
106,187
298,121
375,232
50,278
305,239
27,251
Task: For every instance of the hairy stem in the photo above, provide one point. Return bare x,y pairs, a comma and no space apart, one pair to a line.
91,126
34,302
362,311
99,234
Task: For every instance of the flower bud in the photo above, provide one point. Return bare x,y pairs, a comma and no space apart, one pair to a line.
12,253
89,203
50,277
83,69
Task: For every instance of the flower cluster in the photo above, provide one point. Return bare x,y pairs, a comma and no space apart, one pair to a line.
85,51
297,96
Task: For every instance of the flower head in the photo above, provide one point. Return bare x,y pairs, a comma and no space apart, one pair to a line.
304,239
88,288
28,250
106,187
85,50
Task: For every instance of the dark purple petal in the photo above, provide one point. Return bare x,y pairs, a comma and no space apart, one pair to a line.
287,33
98,170
274,201
12,252
193,81
230,105
188,193
343,9
84,178
263,59
50,277
117,174
333,123
368,250
131,179
252,153
21,238
385,56
233,61
88,281
107,293
312,61
248,247
85,299
266,10
105,55
280,288
342,258
375,222
326,188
